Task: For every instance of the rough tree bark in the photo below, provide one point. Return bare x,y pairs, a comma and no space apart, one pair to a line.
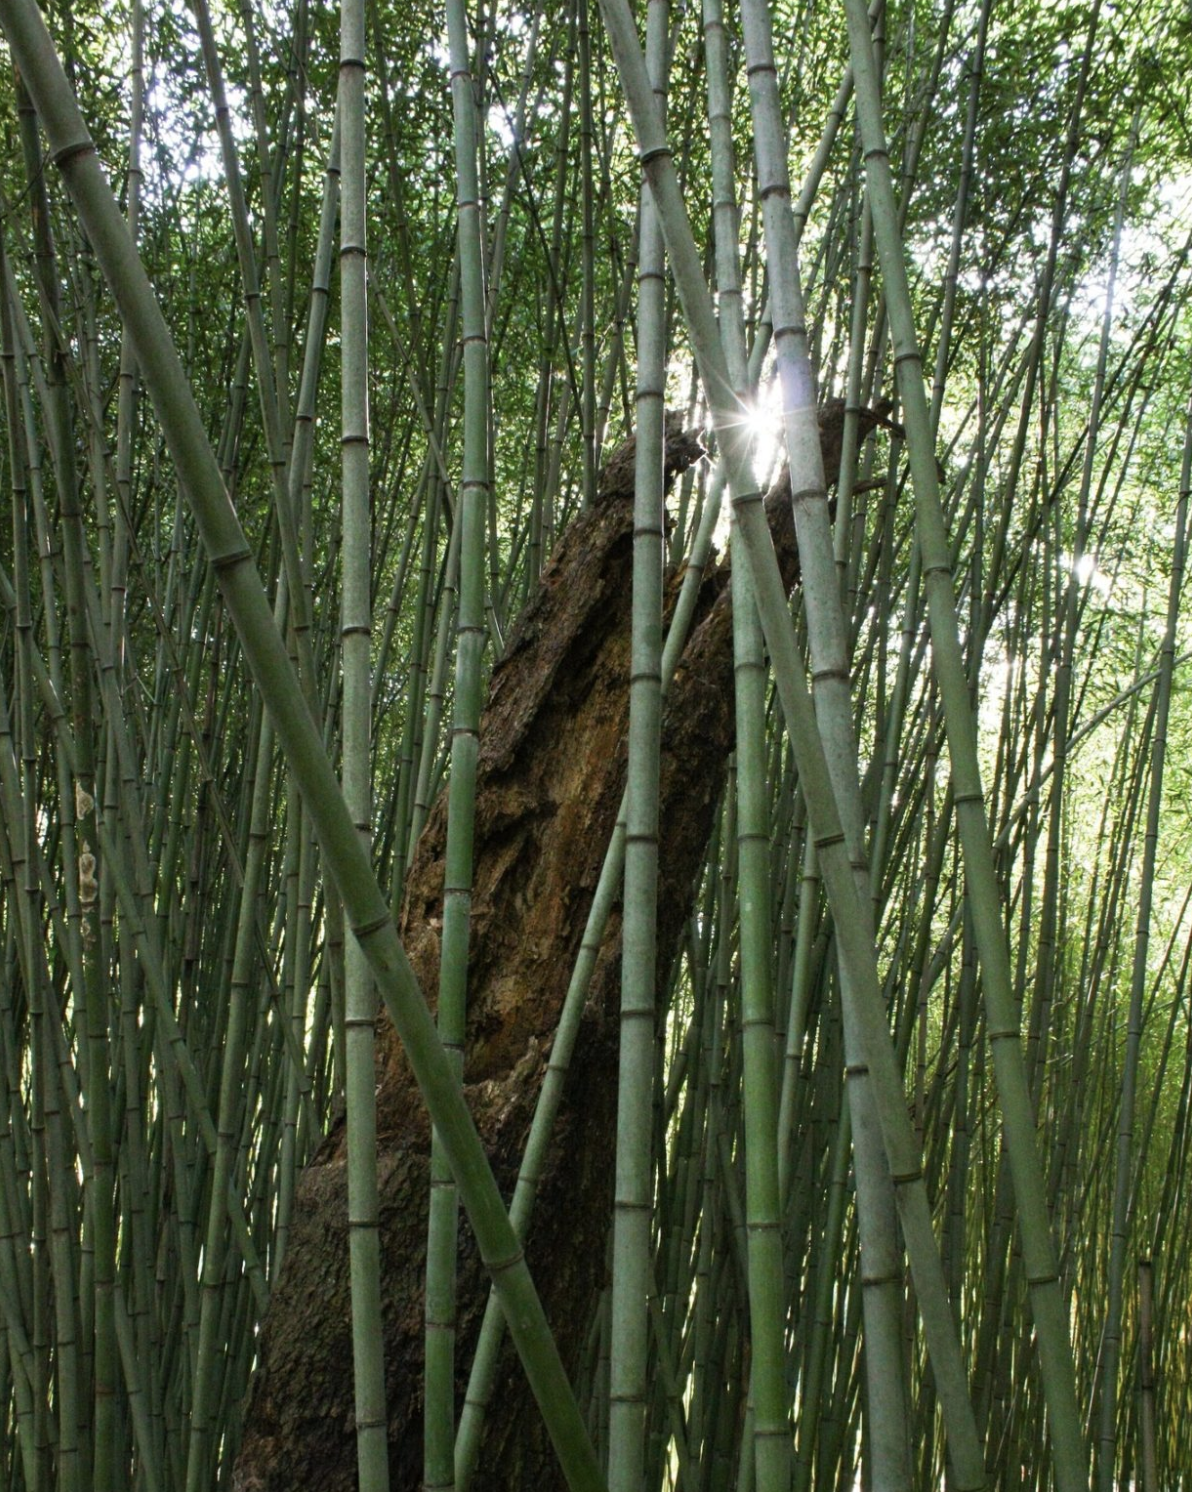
551,774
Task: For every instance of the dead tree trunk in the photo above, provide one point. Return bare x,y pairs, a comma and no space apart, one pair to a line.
551,775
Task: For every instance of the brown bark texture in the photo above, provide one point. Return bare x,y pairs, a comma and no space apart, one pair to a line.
550,779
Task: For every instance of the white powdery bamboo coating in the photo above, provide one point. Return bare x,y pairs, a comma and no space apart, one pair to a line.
1047,1299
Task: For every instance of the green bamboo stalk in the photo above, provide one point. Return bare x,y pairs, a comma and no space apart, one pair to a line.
767,1449
631,1278
439,1392
360,1001
588,256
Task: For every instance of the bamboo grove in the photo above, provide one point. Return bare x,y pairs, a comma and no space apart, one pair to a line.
316,329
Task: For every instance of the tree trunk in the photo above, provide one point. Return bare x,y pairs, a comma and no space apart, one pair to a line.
551,775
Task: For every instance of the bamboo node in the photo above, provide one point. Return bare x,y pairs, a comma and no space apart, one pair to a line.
68,153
